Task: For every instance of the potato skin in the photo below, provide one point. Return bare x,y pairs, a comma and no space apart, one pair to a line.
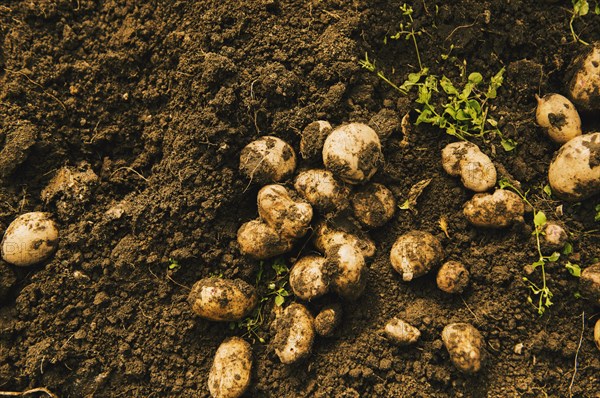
374,205
497,210
322,190
589,283
353,152
288,217
260,241
558,116
295,334
307,278
267,159
230,373
574,173
452,277
30,239
415,253
465,346
219,299
584,86
348,270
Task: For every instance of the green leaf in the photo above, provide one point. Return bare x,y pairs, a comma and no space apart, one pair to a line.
279,300
448,86
568,248
539,219
573,269
597,216
475,78
553,257
508,144
577,295
547,190
537,263
504,183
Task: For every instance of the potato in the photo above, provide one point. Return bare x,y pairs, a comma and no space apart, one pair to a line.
401,333
268,159
465,346
558,116
374,205
554,237
312,139
574,173
497,210
322,190
307,278
466,160
295,334
452,277
229,375
597,334
589,283
288,217
260,241
219,299
584,85
328,319
353,152
30,239
331,235
415,253
348,270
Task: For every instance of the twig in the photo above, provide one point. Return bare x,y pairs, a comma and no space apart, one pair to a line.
39,86
34,390
577,353
130,169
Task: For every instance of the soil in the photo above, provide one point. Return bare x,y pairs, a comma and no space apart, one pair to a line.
157,99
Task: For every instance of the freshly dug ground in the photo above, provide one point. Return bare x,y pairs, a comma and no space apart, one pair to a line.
157,98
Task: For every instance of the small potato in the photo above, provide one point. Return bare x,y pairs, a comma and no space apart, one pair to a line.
313,138
452,277
466,160
30,239
401,333
589,283
574,173
415,253
348,270
597,334
260,241
295,334
327,236
584,86
307,278
322,190
558,116
219,299
229,375
497,210
465,346
288,217
328,319
374,205
554,237
268,159
353,152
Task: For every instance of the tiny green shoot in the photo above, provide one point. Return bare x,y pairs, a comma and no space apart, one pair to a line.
174,264
581,8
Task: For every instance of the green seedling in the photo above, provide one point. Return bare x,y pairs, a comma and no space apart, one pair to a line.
174,264
581,8
574,269
408,32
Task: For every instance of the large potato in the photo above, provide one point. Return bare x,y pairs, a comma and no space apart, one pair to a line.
574,173
465,346
348,270
307,278
219,299
584,86
327,236
295,334
260,241
268,159
415,253
288,217
353,152
312,139
497,210
322,190
589,283
374,205
31,238
558,116
401,333
229,375
466,160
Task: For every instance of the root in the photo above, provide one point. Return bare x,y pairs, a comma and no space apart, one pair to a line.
23,393
577,354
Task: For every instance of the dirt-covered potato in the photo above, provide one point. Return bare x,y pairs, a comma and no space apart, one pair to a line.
465,346
295,334
268,159
260,241
400,332
589,283
415,253
218,299
584,86
348,270
312,139
574,173
289,217
327,236
353,152
558,116
373,205
322,190
597,334
229,375
497,210
30,239
328,319
554,237
307,278
452,277
466,160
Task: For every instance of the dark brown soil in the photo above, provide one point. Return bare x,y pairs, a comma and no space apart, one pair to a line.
158,98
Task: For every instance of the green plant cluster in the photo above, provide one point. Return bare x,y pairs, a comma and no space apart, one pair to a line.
581,8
